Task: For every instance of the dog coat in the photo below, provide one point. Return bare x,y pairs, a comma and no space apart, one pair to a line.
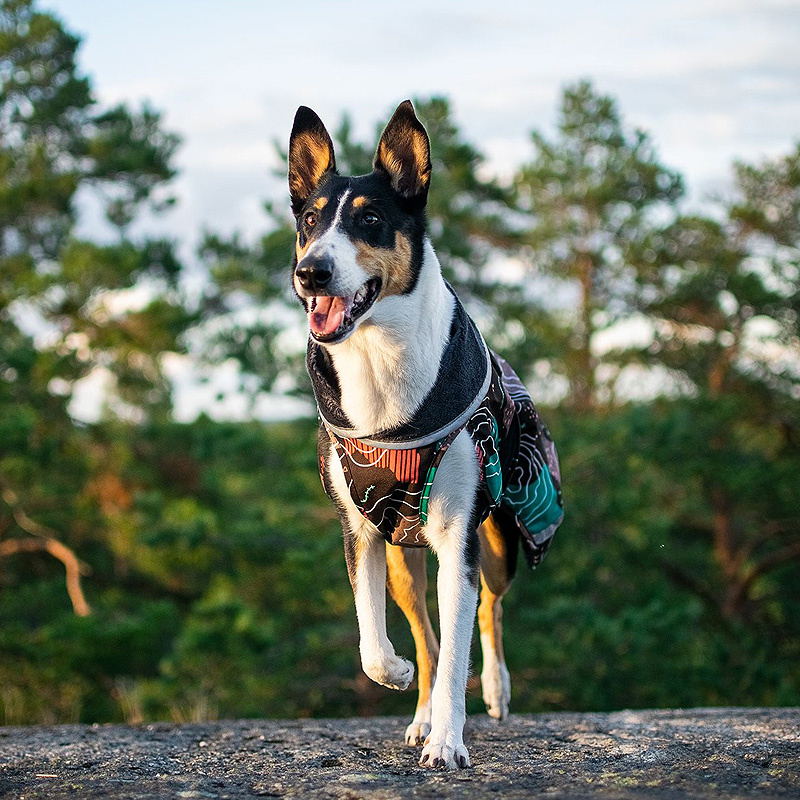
390,474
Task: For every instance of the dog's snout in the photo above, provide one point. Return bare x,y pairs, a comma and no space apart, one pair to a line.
314,272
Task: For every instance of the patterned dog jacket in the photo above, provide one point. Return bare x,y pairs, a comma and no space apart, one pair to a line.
390,474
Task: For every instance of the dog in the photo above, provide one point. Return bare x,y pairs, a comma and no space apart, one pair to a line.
427,438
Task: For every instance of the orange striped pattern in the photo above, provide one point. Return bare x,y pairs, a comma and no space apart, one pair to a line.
404,464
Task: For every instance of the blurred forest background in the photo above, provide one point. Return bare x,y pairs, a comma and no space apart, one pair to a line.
151,569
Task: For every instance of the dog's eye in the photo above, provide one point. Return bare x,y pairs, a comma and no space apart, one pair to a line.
310,219
370,218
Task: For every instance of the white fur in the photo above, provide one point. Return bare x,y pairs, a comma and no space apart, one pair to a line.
389,364
453,493
378,658
448,526
385,370
420,726
495,681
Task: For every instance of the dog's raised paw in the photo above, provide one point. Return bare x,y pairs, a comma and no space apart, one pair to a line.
393,672
416,733
438,754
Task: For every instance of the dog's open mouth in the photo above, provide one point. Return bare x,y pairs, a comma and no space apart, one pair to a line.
332,318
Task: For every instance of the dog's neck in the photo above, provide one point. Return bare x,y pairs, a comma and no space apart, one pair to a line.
390,363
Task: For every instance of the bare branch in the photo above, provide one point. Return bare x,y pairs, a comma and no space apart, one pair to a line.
64,555
22,519
46,540
771,532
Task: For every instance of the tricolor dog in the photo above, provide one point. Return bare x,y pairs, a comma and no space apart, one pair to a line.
427,438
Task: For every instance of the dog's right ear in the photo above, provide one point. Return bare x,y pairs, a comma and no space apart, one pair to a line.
310,156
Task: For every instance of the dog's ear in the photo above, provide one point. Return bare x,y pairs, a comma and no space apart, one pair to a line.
310,156
404,154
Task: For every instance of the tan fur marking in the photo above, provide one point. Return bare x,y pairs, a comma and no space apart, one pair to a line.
394,166
490,619
420,148
393,266
389,160
300,251
493,556
316,153
320,203
360,201
408,582
494,584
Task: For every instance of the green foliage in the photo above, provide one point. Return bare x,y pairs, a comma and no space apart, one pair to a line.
54,144
210,543
219,589
211,559
615,618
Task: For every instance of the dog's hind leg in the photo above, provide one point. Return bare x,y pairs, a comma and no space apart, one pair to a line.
408,582
498,561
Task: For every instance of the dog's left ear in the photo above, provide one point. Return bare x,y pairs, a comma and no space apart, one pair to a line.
310,156
404,154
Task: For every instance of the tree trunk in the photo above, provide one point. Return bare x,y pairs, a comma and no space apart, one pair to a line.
583,384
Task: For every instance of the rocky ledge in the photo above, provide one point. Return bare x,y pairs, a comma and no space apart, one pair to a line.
701,753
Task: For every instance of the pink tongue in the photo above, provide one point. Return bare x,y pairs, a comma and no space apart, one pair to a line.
327,316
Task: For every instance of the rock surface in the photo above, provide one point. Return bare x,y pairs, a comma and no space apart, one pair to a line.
704,753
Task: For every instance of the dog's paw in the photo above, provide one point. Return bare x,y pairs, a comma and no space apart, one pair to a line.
496,685
441,754
391,671
416,733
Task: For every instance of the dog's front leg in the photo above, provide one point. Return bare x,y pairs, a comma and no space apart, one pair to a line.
365,554
368,577
455,541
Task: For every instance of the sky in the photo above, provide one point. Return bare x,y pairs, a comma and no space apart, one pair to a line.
710,80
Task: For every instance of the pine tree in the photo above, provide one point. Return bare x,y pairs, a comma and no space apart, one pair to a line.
722,296
58,317
588,193
54,144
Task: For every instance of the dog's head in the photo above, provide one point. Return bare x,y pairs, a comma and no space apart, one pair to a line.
359,239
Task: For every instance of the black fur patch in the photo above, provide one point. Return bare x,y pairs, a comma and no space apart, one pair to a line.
472,548
511,538
324,452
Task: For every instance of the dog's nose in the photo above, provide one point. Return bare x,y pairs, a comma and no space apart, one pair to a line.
314,272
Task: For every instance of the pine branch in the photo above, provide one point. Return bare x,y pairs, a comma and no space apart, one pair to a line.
783,556
687,581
